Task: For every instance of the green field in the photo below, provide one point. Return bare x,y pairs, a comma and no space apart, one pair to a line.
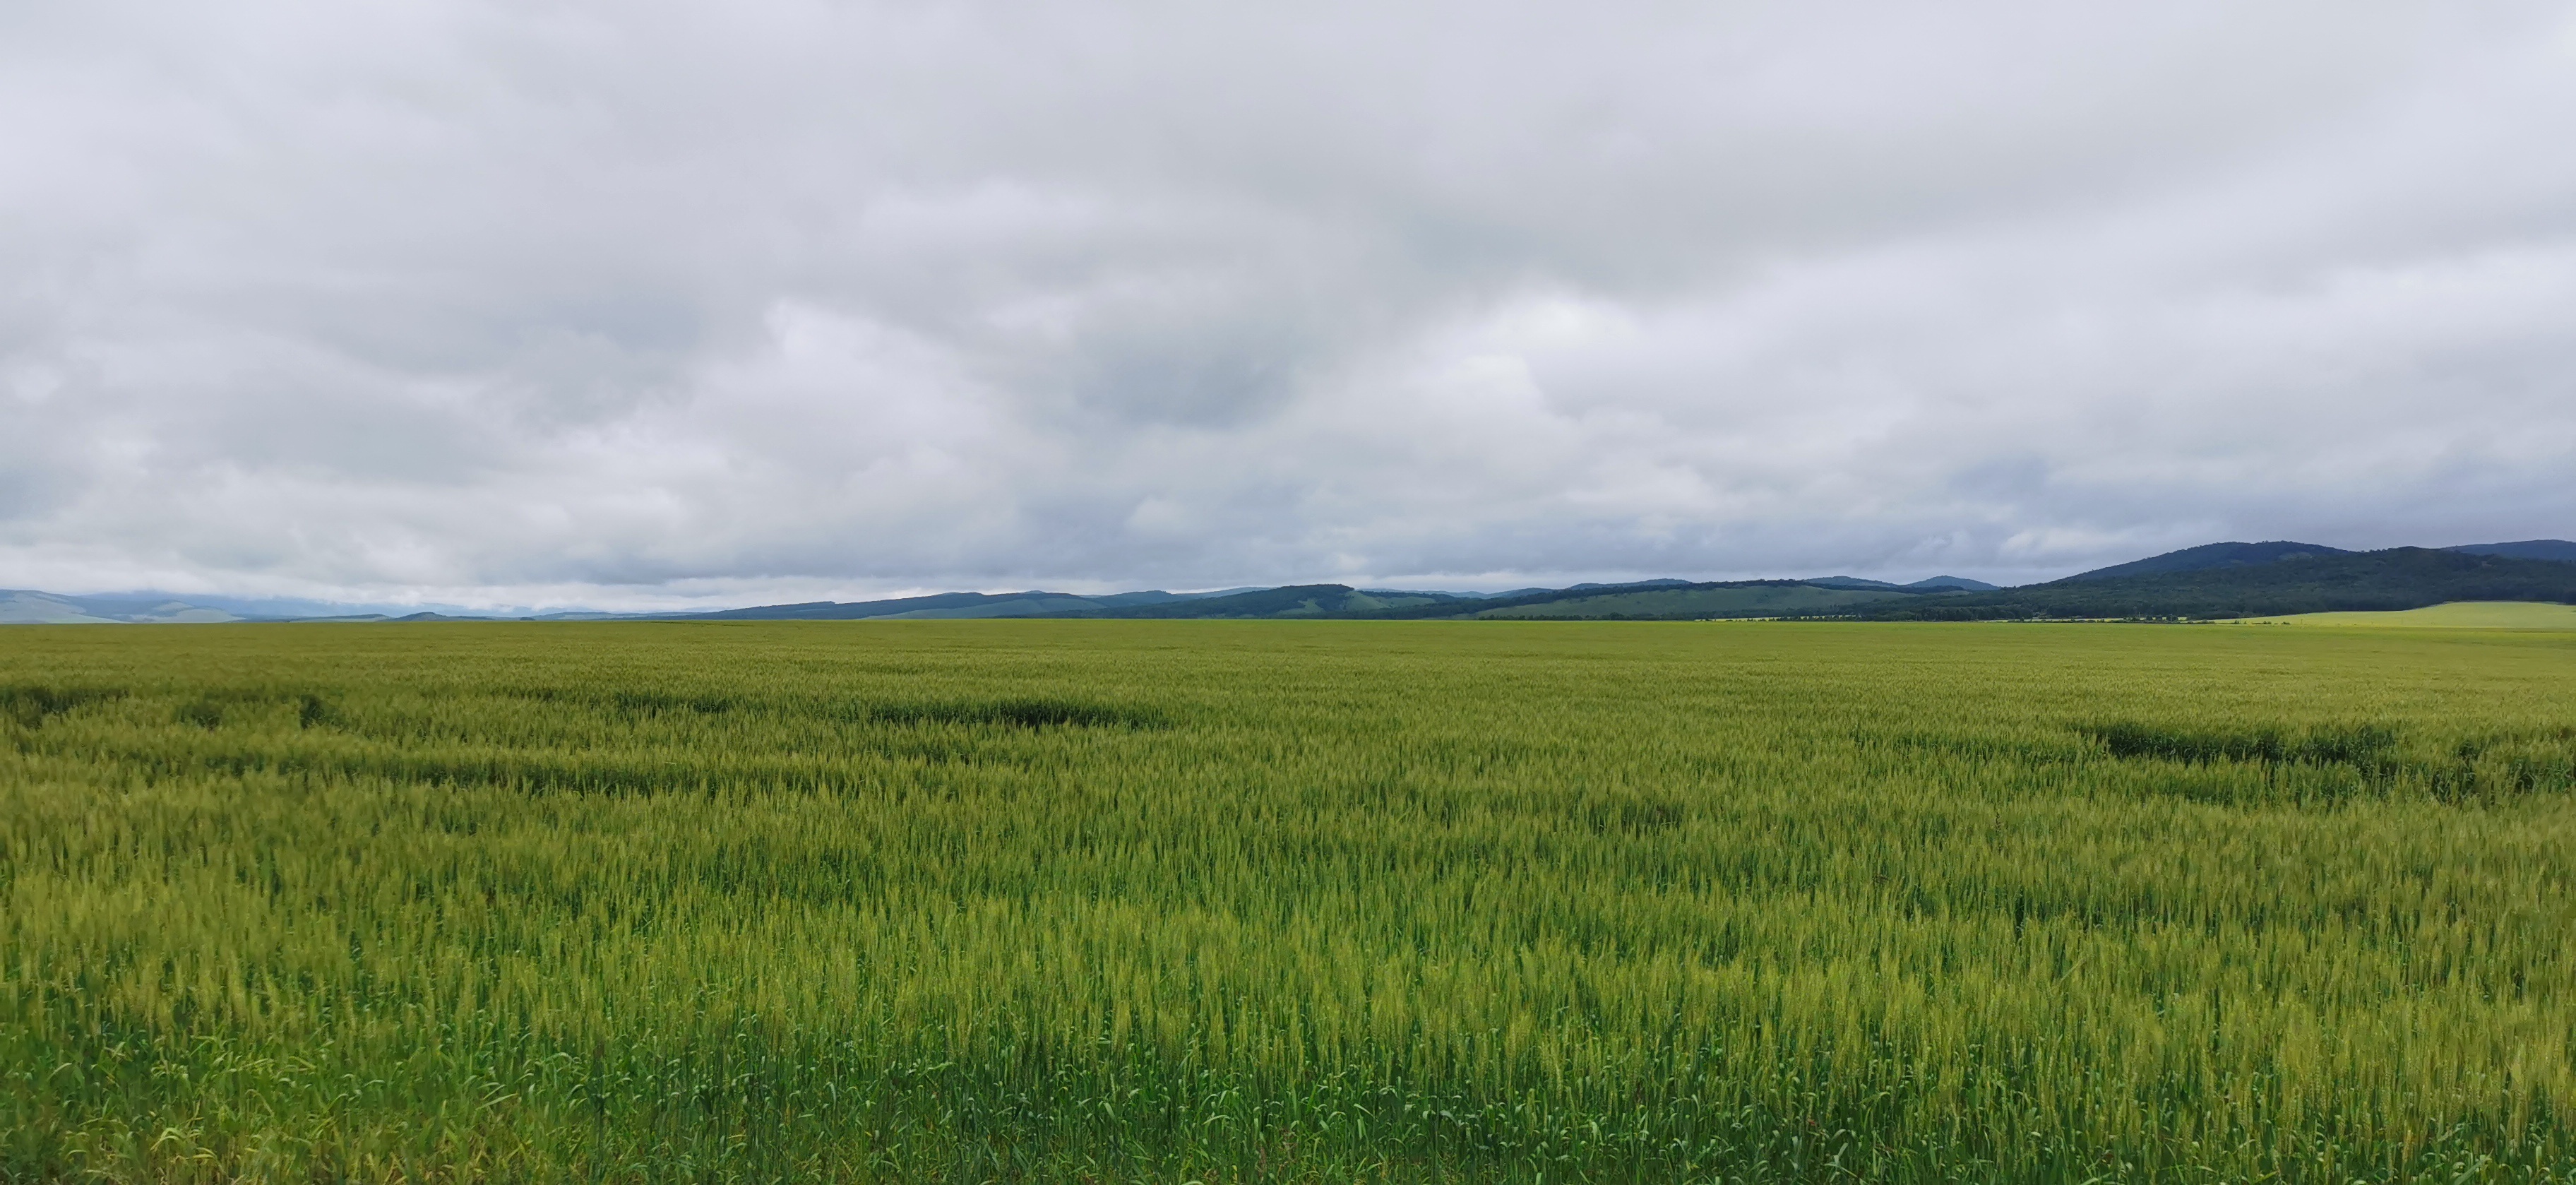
1245,901
2458,615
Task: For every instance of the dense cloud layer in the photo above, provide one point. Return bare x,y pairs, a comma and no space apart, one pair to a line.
628,304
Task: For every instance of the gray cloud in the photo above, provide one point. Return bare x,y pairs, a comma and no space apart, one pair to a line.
637,304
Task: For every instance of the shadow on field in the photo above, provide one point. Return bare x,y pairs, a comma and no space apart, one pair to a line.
214,708
632,703
1020,713
2327,763
31,705
607,742
1023,712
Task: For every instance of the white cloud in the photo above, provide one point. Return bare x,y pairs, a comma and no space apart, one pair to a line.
631,304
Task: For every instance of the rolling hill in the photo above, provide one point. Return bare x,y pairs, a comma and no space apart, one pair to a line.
2216,580
1647,600
946,606
1297,600
1695,601
26,607
2211,555
2397,578
1934,584
2529,549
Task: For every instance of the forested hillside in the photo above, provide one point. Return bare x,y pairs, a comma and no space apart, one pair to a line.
2398,578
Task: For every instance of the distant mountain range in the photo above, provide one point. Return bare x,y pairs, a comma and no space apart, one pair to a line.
2223,580
2210,581
25,607
1934,584
2215,555
36,608
2529,549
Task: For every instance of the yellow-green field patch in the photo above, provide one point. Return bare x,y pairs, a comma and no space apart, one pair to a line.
2476,615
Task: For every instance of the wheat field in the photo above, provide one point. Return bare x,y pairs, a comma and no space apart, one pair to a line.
1261,901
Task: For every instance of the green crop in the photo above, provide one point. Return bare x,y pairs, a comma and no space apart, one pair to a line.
1104,901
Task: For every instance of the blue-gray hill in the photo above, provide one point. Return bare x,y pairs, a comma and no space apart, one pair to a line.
2397,578
1034,603
2213,580
2529,549
1935,582
2211,555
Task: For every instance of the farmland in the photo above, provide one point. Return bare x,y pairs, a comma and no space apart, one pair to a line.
2472,615
1248,901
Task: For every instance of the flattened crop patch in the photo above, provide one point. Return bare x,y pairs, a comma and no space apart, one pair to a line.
2328,762
218,708
1020,713
30,705
2352,745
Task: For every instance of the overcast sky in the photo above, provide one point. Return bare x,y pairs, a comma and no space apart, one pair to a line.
639,304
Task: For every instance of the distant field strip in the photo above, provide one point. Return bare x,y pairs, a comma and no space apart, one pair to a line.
1287,901
2483,615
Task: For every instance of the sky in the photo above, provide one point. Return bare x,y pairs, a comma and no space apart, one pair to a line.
530,303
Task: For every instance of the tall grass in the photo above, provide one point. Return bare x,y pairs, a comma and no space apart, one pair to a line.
1264,901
